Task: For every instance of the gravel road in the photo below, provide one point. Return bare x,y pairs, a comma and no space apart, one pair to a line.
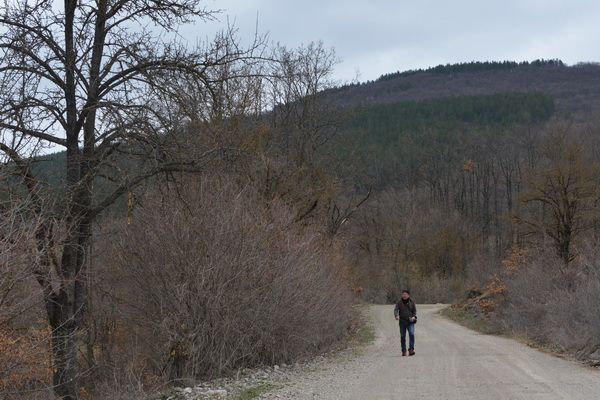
452,362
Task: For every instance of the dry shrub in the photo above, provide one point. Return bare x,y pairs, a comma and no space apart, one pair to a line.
25,361
215,278
24,341
16,261
555,304
487,279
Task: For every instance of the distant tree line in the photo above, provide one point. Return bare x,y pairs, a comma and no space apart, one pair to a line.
474,66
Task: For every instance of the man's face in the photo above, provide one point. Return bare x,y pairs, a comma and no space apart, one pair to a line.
405,296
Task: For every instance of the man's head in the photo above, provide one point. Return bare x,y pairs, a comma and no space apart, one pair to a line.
405,295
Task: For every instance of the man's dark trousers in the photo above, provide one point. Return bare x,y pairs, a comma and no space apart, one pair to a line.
410,327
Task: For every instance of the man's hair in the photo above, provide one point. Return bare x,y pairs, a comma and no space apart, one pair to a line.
406,291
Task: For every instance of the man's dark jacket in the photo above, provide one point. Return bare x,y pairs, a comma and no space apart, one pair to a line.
405,310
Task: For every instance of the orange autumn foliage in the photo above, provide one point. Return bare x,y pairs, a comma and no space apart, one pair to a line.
496,287
515,260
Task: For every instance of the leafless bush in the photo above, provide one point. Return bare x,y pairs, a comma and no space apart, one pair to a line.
555,306
482,267
24,343
219,279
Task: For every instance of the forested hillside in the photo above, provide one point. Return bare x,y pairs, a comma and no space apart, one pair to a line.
486,179
574,88
394,140
186,201
479,177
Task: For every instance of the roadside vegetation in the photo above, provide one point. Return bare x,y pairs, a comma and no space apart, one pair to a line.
543,289
477,323
186,229
254,392
172,214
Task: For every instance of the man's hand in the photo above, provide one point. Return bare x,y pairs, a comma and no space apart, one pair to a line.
397,318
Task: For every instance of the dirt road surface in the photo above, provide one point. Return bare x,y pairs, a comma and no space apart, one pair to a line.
452,362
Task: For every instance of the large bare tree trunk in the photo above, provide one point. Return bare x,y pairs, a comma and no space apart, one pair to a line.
65,310
64,352
95,86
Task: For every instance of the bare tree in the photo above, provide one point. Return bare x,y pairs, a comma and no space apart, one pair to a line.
303,122
88,77
339,214
563,188
306,118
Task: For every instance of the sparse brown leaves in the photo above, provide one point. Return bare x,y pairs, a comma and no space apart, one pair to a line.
515,260
25,362
468,166
496,288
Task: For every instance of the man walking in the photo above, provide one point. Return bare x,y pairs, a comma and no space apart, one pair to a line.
406,312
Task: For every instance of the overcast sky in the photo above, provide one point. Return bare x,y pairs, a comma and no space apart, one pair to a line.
372,37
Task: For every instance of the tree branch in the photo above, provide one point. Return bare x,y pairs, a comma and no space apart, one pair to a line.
35,134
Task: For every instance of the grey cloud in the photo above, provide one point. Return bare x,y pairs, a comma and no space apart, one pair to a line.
379,36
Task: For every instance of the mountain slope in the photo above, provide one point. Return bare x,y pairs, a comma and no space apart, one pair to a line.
576,89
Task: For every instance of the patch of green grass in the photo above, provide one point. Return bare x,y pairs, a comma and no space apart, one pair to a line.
254,392
365,335
470,321
362,335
